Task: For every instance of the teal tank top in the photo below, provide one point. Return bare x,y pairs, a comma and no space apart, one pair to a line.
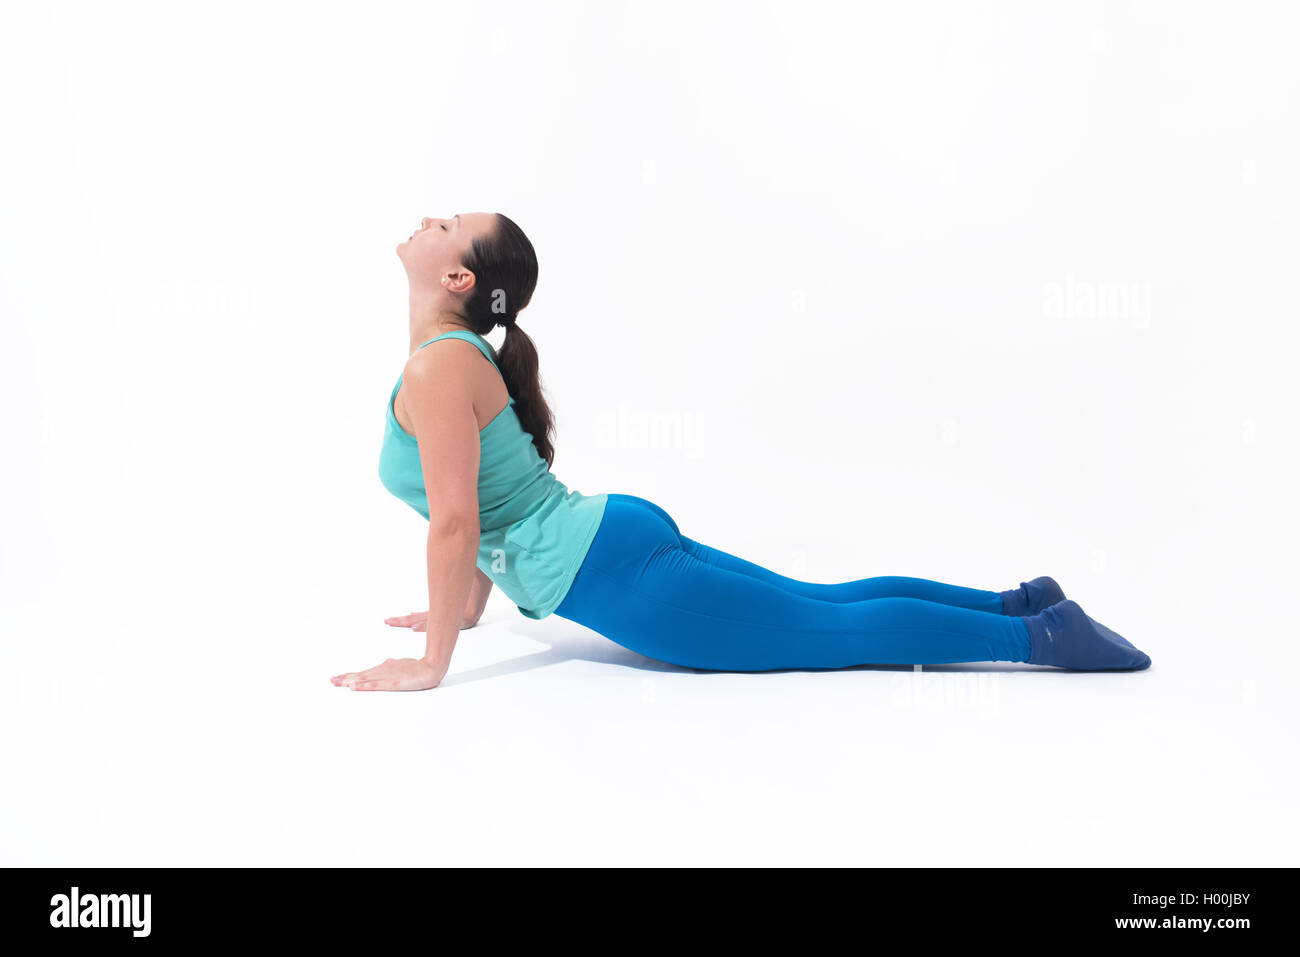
533,532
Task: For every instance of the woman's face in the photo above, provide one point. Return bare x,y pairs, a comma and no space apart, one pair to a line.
439,246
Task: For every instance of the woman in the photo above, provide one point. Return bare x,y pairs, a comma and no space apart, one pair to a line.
467,444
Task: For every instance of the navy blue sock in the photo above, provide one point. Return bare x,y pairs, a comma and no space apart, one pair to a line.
1064,636
1031,597
1108,633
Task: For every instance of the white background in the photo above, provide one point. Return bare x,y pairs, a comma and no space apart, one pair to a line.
969,292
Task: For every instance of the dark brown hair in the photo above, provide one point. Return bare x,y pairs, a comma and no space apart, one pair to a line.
505,274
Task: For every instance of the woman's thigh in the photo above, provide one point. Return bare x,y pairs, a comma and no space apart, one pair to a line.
642,589
880,586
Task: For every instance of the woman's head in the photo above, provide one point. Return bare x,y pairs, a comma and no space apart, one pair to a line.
480,270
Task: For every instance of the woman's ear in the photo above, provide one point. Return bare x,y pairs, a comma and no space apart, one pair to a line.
458,280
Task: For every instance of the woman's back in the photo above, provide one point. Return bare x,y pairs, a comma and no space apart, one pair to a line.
533,531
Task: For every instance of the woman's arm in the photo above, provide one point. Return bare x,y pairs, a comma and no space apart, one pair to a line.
440,403
478,597
439,400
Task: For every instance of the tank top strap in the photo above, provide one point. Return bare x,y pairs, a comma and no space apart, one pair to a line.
484,346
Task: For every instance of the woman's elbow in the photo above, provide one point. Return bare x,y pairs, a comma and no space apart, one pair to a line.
457,525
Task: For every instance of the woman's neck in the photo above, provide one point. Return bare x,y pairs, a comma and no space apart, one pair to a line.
431,317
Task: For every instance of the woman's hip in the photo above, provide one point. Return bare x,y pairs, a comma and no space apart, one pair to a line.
631,533
631,528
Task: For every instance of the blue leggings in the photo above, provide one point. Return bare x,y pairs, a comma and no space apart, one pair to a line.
646,586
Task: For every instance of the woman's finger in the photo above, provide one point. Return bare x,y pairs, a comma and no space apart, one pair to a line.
352,676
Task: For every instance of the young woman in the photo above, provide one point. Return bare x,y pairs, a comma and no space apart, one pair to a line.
467,444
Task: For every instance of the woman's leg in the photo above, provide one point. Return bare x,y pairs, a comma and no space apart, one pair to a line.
881,586
884,586
640,587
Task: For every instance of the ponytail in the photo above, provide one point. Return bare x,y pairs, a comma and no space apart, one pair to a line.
518,359
505,270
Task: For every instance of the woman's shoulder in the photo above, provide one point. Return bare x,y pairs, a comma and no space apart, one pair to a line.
451,356
454,369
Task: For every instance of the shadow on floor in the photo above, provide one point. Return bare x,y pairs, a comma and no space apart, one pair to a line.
575,643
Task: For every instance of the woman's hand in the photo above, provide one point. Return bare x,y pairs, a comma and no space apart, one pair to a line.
419,621
394,674
416,621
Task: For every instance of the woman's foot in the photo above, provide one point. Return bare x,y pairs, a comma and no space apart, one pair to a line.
1064,636
1108,633
1031,597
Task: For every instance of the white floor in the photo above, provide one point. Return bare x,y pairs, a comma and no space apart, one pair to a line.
199,742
